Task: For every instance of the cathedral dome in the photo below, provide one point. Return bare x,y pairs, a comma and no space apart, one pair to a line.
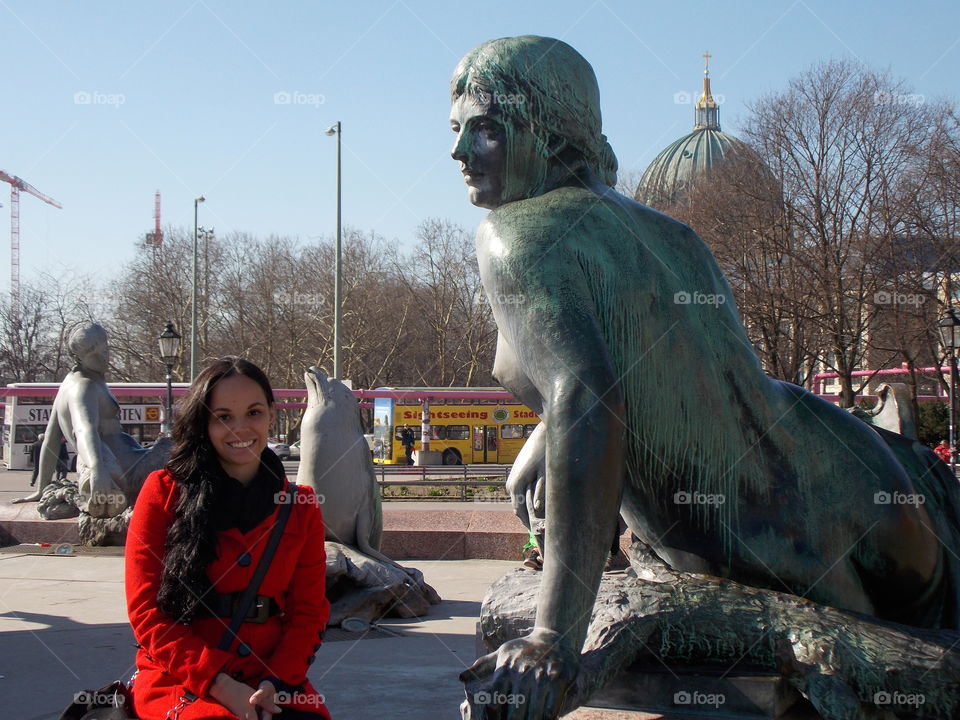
683,161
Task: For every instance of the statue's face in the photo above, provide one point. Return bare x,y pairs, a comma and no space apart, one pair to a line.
498,166
97,358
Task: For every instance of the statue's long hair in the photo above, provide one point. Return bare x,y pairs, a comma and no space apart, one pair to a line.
191,538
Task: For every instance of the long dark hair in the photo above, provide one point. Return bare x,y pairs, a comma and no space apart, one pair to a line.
191,539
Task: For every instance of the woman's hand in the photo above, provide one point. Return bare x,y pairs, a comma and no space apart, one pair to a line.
265,700
242,700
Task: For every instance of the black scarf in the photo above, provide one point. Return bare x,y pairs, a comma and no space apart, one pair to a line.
245,506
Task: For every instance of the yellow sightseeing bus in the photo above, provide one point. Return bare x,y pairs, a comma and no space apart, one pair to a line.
466,425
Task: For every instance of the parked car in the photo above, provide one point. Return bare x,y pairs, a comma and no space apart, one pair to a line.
281,449
295,450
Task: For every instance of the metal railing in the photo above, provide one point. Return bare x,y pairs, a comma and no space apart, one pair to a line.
461,477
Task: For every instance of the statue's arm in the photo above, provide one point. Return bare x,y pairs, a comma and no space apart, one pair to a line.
84,406
50,450
47,459
542,304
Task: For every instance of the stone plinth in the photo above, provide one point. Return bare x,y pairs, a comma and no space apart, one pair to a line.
420,534
22,524
687,692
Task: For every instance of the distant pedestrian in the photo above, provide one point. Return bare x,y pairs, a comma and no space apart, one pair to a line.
63,460
35,458
943,451
408,440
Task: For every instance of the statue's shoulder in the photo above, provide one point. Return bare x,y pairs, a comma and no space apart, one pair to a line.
536,223
562,217
84,384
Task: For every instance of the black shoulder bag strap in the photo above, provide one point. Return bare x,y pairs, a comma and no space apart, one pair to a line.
250,592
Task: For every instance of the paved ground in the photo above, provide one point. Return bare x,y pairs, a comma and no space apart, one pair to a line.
63,627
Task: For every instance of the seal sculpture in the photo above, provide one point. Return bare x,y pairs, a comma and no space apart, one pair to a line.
335,461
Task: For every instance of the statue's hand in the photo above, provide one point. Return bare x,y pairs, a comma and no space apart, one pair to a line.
105,498
527,490
525,679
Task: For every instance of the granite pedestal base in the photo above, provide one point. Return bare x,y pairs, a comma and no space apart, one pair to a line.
698,693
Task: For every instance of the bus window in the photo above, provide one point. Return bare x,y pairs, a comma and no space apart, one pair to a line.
509,432
438,432
528,430
458,432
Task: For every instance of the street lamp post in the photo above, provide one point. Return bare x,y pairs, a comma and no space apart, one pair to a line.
169,352
193,305
949,327
337,269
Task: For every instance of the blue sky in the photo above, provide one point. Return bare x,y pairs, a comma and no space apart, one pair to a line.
107,101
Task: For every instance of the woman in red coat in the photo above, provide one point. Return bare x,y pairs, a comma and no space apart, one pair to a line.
198,530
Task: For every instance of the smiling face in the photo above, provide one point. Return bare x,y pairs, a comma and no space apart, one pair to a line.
498,161
238,425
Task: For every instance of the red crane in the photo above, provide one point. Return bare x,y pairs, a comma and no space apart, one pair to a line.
16,185
156,237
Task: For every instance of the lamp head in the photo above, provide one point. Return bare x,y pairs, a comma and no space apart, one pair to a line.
169,344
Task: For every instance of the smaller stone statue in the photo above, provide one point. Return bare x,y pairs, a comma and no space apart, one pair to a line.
335,461
111,465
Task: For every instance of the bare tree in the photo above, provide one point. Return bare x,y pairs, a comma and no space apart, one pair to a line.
739,211
452,327
841,138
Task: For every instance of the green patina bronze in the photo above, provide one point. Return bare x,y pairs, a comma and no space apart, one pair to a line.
618,327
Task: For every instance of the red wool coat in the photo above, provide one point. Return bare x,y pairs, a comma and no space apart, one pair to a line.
175,658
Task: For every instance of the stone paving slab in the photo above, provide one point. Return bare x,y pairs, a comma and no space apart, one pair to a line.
63,627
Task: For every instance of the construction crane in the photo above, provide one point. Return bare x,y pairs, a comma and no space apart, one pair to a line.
16,185
155,238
